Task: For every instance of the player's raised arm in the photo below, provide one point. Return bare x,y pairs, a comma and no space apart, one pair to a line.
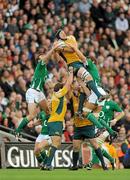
84,88
70,79
58,58
117,118
60,89
47,56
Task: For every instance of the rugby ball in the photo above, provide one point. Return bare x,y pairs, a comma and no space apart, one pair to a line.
61,43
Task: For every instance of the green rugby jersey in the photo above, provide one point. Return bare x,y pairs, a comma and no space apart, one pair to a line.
107,112
92,69
40,76
42,116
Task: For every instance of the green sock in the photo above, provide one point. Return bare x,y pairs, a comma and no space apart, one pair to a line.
95,159
75,158
100,156
109,129
23,123
94,120
44,156
82,98
91,84
51,155
39,158
107,155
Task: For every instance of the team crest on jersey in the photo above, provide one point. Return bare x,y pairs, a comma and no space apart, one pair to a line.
107,107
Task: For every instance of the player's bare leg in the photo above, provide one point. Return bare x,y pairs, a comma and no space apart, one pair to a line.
32,110
98,152
56,142
88,108
88,80
40,153
44,106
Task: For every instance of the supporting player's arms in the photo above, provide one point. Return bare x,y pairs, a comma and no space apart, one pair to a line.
117,118
66,48
70,78
37,122
59,58
62,92
84,88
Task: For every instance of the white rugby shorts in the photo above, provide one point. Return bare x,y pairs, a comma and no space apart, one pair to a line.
34,96
42,137
93,97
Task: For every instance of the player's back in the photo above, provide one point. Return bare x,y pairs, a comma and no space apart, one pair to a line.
40,76
77,121
58,105
70,57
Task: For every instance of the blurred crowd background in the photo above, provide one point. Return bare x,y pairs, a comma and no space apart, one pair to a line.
102,29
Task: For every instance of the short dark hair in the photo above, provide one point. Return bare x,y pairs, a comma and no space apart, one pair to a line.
58,86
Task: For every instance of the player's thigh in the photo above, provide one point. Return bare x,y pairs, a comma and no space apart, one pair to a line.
31,95
44,105
36,148
76,144
89,107
101,139
56,141
32,109
45,141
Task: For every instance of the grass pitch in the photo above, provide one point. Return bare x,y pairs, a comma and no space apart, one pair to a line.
63,174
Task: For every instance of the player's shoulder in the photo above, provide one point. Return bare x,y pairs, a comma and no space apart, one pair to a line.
71,37
89,61
113,103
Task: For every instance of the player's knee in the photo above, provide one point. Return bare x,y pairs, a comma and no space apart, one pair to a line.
36,151
84,75
94,143
86,112
56,142
76,146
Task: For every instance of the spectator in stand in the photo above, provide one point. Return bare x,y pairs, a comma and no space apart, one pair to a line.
84,6
121,23
69,133
125,152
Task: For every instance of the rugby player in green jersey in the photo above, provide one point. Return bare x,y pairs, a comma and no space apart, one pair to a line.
35,94
107,114
43,140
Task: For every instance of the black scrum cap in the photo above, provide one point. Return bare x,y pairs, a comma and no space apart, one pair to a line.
58,33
